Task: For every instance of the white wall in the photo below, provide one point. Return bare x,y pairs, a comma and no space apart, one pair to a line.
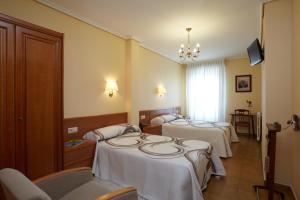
277,81
296,96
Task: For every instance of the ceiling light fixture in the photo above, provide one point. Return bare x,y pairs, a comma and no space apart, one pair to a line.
188,52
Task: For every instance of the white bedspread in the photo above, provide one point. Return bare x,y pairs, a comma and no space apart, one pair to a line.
220,137
155,178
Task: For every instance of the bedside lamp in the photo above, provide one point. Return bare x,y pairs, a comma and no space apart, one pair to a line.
111,87
161,90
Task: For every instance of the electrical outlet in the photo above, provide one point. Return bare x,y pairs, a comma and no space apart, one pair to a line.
72,130
143,116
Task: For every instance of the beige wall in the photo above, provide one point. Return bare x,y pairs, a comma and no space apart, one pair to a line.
277,82
89,58
148,71
92,55
296,96
237,100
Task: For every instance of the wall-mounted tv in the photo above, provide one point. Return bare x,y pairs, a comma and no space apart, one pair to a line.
255,53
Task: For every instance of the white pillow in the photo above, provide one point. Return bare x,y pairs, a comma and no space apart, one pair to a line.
179,116
157,121
168,118
105,133
131,129
111,131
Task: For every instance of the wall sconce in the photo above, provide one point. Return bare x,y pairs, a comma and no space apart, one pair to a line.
161,90
111,87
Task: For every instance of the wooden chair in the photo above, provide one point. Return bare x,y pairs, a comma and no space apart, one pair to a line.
242,118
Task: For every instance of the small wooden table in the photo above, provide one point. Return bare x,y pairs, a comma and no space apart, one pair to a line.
80,155
252,116
151,129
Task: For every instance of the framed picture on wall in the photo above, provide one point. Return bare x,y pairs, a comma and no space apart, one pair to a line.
243,83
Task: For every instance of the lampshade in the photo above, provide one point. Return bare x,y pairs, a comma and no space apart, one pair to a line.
111,87
161,90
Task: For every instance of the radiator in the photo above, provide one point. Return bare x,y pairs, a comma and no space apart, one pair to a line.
258,126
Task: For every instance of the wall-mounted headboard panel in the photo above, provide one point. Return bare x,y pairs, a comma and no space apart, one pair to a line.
89,123
145,116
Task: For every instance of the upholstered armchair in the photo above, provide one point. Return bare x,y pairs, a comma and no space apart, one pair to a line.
73,184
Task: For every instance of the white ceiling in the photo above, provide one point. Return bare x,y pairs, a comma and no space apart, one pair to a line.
224,28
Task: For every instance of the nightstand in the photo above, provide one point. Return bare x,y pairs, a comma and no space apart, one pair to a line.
80,155
152,129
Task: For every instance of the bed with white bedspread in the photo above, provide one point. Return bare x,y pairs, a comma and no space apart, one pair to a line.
160,167
219,134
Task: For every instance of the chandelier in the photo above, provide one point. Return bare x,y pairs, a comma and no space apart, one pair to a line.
188,52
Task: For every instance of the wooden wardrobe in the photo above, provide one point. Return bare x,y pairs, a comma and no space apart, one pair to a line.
31,97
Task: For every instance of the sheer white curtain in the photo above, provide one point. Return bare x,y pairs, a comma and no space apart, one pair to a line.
206,91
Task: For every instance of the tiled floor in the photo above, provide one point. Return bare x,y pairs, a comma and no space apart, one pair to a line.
244,169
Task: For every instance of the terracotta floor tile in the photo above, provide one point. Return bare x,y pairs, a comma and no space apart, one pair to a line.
243,170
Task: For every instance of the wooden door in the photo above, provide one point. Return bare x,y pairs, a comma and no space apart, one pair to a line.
38,102
7,130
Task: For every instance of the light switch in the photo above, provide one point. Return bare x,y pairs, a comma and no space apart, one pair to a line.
72,130
143,116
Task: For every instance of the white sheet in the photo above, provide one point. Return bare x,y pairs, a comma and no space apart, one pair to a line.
220,137
154,178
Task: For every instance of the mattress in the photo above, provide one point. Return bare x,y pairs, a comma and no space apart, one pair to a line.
219,135
160,167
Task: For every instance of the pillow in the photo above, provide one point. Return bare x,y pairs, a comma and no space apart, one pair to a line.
179,116
157,121
106,132
168,118
131,129
110,132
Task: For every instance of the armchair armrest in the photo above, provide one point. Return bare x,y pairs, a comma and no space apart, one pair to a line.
56,185
128,193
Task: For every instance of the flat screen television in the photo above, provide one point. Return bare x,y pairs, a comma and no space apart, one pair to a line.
255,53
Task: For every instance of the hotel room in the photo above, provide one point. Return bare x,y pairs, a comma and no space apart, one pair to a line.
149,100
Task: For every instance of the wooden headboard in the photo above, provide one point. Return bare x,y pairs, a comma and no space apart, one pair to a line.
89,123
145,116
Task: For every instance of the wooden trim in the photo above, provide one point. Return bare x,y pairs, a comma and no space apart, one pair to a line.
28,25
116,193
7,100
89,123
61,173
150,114
285,189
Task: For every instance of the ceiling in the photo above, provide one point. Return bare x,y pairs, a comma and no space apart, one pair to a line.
224,28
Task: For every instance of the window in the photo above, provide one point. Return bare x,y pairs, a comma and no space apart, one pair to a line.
206,91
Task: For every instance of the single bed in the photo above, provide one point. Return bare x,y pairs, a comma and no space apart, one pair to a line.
220,135
148,162
159,167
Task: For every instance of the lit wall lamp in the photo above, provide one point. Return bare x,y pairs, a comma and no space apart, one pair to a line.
111,87
161,90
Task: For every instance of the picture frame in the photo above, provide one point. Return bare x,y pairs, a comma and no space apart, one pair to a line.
243,83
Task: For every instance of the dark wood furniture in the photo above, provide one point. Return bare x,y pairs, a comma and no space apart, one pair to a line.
152,129
83,154
89,123
273,129
31,98
243,118
145,117
80,155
